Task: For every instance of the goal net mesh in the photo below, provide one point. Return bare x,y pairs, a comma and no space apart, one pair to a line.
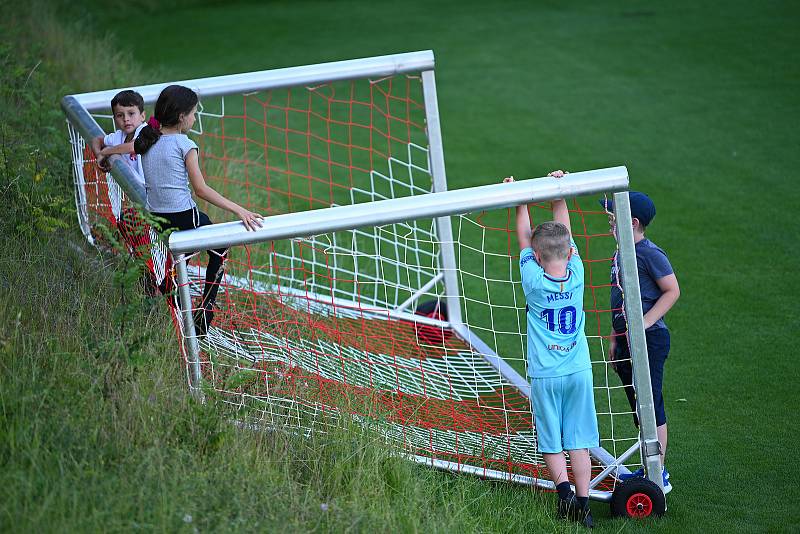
345,324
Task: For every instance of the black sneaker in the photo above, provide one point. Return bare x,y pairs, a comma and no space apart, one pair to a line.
567,508
570,509
585,517
202,321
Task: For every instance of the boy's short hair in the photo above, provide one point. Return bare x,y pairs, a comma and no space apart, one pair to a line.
128,98
551,241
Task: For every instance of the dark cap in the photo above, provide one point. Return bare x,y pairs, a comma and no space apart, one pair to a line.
641,206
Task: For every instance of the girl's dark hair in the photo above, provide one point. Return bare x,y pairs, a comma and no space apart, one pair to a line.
174,101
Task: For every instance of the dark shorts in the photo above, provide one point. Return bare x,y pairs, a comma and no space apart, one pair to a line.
658,343
183,220
188,220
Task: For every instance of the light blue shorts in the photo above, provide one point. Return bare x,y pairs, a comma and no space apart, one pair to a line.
563,412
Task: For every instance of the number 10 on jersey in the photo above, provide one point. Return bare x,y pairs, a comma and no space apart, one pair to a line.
567,319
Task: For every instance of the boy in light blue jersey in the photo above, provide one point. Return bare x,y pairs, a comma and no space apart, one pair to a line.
559,367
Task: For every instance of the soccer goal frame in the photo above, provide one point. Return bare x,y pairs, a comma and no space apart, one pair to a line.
440,204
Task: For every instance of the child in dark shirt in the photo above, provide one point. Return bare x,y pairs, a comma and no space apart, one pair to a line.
660,290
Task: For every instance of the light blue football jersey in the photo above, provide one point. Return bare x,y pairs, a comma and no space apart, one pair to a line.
557,343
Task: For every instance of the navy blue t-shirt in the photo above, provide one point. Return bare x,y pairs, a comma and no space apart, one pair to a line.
653,265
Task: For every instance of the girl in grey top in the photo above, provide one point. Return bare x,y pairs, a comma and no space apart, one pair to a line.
170,163
166,176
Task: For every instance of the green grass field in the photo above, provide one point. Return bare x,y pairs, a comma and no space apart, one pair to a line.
699,101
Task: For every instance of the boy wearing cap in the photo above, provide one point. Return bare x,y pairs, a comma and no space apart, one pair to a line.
559,367
660,290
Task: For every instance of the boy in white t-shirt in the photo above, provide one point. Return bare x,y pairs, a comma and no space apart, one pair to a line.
128,110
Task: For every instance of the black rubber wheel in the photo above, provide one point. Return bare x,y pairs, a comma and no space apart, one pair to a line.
432,335
638,498
431,308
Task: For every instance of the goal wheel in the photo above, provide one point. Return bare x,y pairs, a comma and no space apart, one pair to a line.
638,498
432,308
432,335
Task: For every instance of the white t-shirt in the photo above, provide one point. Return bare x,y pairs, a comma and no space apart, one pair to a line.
135,163
118,138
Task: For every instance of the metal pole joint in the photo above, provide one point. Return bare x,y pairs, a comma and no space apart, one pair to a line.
651,448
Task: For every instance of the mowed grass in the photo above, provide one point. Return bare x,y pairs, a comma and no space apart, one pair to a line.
698,101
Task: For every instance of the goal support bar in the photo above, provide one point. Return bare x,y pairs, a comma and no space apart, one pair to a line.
444,227
382,212
650,446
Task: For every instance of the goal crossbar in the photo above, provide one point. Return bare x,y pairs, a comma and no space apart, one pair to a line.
378,213
78,107
379,66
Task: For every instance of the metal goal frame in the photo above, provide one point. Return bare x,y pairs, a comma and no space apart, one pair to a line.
440,204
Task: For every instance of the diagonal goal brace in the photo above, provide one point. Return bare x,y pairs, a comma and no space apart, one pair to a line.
318,313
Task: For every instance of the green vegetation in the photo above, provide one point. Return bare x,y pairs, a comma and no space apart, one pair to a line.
700,102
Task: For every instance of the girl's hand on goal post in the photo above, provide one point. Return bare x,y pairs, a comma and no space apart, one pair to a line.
252,221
